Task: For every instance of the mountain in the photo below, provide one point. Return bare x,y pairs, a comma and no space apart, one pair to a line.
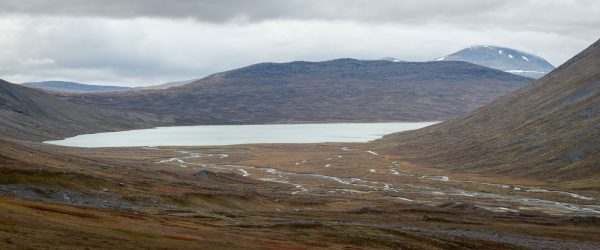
549,129
30,114
73,87
166,85
501,58
342,90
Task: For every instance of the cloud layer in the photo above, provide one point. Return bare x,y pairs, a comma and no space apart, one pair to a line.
148,42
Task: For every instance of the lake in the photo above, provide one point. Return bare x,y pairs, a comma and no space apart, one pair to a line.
209,135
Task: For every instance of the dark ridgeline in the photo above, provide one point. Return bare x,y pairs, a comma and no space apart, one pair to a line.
342,90
549,129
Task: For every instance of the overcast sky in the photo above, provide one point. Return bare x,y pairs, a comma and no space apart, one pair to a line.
146,42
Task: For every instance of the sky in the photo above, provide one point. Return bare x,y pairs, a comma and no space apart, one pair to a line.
148,42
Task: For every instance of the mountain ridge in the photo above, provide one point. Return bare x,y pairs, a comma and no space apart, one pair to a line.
340,90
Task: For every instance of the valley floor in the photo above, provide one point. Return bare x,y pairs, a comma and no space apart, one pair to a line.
284,196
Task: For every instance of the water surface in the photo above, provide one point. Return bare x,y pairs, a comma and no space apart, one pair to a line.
208,135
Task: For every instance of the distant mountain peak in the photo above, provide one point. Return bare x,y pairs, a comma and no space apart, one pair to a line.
391,59
73,87
502,58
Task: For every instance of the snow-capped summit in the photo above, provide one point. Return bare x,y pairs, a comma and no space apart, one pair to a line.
505,59
391,59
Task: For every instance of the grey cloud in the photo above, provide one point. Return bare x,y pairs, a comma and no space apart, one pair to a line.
556,16
150,41
225,10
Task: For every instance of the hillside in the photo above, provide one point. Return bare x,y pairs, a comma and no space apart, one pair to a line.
73,87
343,90
501,58
30,114
549,129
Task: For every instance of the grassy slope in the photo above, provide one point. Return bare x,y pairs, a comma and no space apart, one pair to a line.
549,129
169,208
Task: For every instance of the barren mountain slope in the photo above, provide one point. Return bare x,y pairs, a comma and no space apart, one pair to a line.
330,91
30,114
549,129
